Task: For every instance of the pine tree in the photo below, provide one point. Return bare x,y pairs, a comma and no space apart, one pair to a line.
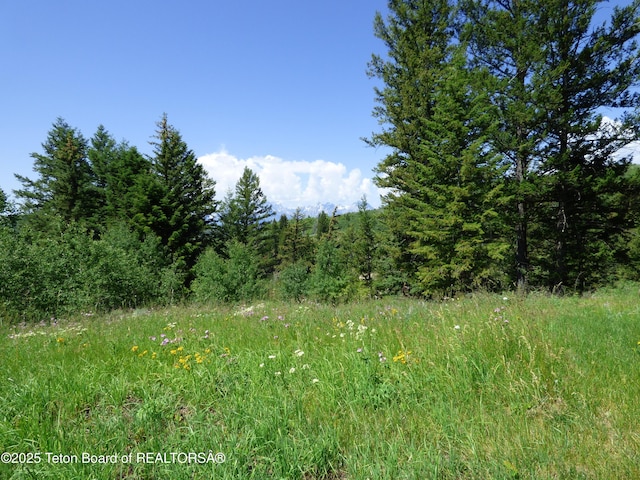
101,155
505,38
444,182
246,211
128,174
553,71
588,68
178,201
297,245
64,183
365,244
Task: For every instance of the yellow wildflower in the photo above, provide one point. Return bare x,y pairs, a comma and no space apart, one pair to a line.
402,356
133,349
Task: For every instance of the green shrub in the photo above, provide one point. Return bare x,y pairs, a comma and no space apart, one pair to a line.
45,275
329,281
227,280
293,281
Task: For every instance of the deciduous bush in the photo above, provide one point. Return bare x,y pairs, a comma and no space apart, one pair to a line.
227,279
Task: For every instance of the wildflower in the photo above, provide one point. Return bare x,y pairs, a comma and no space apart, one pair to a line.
315,380
292,370
457,327
153,355
359,350
265,318
261,365
381,357
133,349
402,357
280,317
272,357
173,352
152,338
287,325
143,353
298,353
277,374
306,366
361,330
165,342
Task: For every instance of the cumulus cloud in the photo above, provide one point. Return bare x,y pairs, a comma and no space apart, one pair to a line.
293,183
611,126
633,150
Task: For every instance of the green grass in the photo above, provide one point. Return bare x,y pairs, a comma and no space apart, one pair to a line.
475,388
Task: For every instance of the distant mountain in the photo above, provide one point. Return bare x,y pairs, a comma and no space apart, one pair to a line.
313,210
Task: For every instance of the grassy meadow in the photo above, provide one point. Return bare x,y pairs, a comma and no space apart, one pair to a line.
488,386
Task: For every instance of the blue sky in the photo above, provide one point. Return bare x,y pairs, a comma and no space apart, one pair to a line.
279,85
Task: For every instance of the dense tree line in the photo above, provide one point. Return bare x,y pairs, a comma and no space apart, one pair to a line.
503,174
102,226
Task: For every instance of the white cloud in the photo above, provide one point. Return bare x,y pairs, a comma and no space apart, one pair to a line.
632,149
293,183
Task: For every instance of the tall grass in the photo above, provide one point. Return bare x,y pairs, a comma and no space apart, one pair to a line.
481,387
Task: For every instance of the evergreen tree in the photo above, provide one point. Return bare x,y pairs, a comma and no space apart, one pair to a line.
587,68
177,202
297,245
322,224
64,183
444,183
553,71
365,244
505,39
128,174
101,154
7,211
417,36
245,212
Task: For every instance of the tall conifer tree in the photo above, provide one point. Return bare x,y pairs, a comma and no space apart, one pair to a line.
554,70
64,184
178,201
444,182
